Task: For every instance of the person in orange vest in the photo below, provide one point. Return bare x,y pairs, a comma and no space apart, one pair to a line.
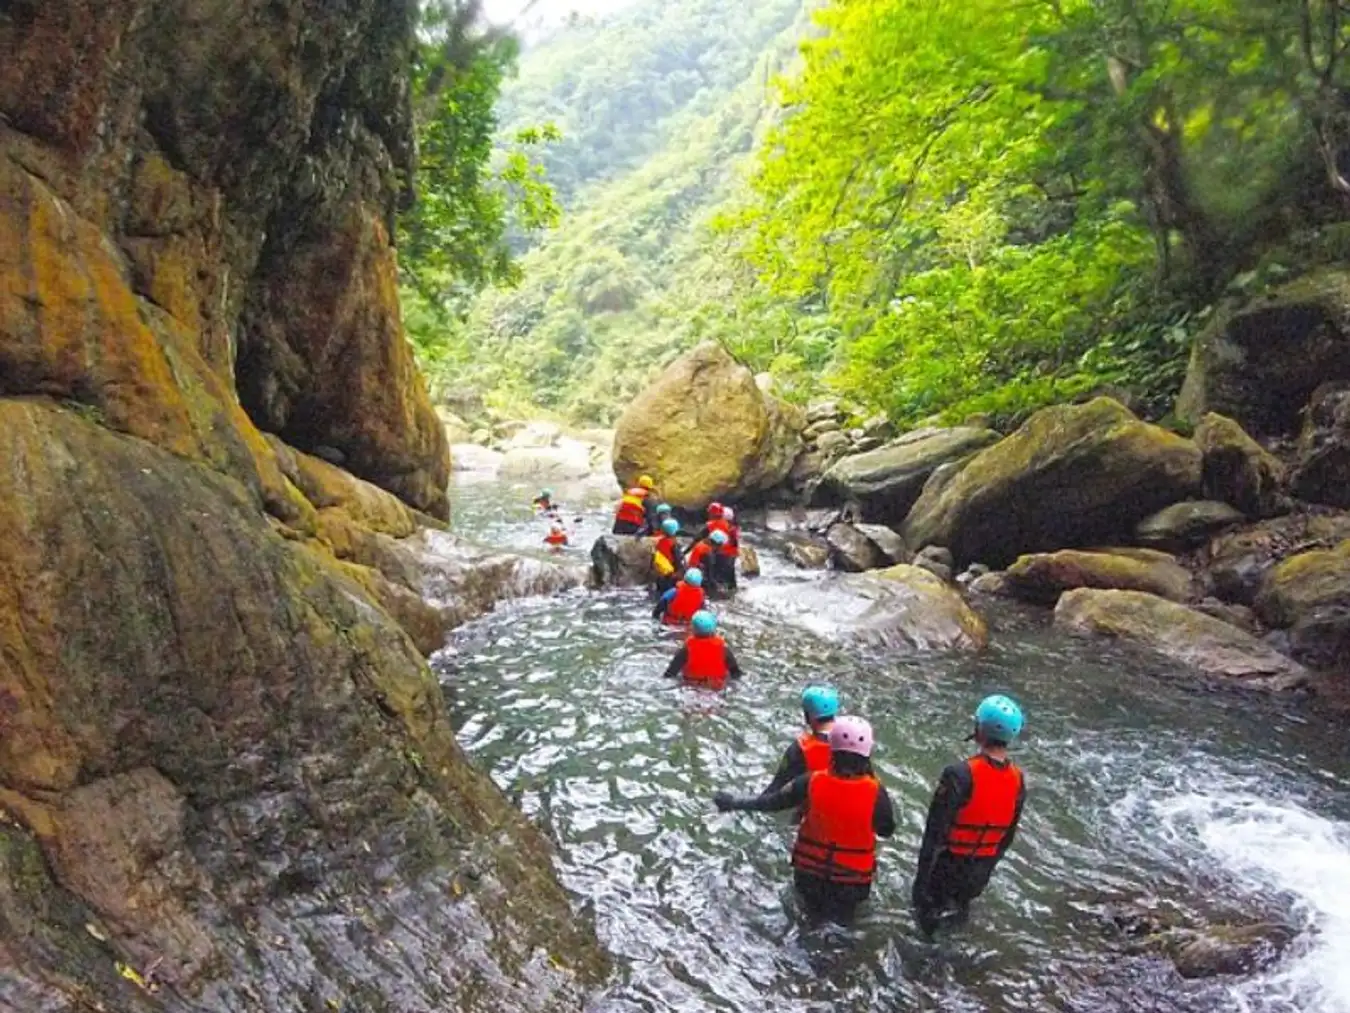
704,553
636,509
677,606
809,751
844,810
556,537
705,659
667,559
972,820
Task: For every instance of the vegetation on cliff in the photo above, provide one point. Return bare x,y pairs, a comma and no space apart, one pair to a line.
961,207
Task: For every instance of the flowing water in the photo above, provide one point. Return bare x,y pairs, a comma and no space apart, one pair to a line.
1141,784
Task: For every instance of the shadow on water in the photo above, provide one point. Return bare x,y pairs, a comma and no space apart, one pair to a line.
1142,783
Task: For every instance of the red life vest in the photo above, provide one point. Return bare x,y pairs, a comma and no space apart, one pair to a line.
836,840
732,548
984,821
633,507
688,600
706,664
556,538
815,750
698,555
668,547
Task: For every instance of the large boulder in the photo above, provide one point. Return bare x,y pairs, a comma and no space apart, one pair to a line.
1322,474
1259,363
1190,638
1309,595
1237,470
1043,578
852,551
1187,525
706,432
1073,475
885,483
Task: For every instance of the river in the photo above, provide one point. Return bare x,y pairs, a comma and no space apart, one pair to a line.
1141,783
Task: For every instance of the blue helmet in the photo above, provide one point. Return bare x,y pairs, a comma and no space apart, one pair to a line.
820,703
998,719
670,526
545,493
663,509
704,623
718,537
693,577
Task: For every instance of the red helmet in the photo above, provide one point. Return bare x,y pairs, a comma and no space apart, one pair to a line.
715,511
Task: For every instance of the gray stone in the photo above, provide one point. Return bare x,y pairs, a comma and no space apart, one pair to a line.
853,551
891,545
1322,474
1188,525
832,444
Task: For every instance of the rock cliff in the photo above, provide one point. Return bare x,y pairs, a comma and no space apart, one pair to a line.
229,777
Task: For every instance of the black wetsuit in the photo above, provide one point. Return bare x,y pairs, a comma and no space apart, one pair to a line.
945,884
822,898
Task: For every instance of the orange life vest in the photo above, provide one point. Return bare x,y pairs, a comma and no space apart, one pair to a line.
732,547
698,554
706,664
815,750
668,547
836,840
633,507
556,538
688,600
983,822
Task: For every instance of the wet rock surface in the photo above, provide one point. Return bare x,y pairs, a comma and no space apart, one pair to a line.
1042,578
1187,525
1309,595
1208,645
1322,472
1237,470
1072,476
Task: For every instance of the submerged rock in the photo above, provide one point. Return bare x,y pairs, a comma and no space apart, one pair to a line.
1237,470
704,431
902,607
1259,363
1043,578
1186,525
1073,475
1309,595
885,483
1191,638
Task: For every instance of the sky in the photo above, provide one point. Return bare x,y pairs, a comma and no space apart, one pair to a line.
505,11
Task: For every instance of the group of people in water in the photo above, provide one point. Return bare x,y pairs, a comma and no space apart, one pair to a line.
826,774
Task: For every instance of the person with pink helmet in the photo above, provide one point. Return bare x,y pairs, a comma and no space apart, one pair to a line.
843,811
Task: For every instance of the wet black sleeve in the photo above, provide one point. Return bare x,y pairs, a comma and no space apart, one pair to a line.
1006,843
790,767
952,792
676,667
883,814
733,666
790,796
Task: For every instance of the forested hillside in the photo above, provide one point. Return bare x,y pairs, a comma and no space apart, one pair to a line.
966,207
658,108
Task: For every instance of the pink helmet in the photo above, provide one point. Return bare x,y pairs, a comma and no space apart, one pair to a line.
728,514
851,735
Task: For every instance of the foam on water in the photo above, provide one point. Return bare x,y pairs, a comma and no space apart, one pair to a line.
1280,846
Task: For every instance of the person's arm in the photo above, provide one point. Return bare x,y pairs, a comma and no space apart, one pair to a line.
883,814
952,792
790,767
661,604
1006,843
676,667
733,666
790,796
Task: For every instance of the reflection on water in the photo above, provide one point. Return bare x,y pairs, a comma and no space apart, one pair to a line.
1138,784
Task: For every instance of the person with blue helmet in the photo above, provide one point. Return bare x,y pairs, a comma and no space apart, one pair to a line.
810,751
667,559
972,820
677,606
704,659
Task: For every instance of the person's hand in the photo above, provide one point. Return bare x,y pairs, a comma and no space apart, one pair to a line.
724,801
